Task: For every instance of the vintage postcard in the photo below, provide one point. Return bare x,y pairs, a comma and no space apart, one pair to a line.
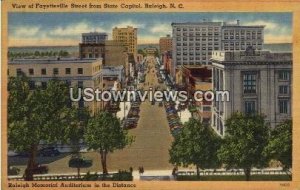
150,94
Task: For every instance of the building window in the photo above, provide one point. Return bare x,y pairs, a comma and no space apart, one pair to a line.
284,89
284,106
284,75
55,71
80,70
80,84
68,71
31,72
249,107
19,72
249,81
31,85
44,85
44,71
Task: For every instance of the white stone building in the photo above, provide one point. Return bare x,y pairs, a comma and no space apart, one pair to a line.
257,81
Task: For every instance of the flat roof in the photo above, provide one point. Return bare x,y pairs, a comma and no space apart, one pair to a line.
53,60
197,23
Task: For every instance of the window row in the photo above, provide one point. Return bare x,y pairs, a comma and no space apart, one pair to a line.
283,106
55,71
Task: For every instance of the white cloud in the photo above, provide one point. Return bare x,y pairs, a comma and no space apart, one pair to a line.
24,31
268,25
126,23
161,29
75,29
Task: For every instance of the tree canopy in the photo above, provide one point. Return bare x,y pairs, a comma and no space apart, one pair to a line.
39,115
245,139
196,144
280,144
104,134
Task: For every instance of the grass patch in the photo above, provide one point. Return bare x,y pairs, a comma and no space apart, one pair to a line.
234,178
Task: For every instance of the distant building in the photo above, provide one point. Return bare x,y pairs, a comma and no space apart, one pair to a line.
76,72
165,44
193,43
194,79
115,53
128,37
257,81
91,50
93,37
167,62
111,76
151,50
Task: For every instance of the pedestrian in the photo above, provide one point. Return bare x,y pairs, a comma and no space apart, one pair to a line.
142,170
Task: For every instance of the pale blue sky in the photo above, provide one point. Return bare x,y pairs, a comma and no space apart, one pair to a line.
66,28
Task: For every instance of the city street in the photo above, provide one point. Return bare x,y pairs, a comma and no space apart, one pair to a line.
150,149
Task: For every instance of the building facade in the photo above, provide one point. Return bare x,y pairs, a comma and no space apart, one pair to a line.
111,76
93,37
256,81
165,44
193,43
128,37
114,53
197,79
76,72
91,50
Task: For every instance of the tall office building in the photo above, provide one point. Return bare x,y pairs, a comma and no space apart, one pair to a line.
165,44
257,82
92,45
128,37
93,37
193,43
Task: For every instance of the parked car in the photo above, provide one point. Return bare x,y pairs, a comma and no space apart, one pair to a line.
40,169
23,154
49,152
12,170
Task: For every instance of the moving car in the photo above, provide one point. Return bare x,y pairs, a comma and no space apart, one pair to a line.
40,169
49,152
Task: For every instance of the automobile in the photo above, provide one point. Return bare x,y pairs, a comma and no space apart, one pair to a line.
77,160
23,154
12,170
40,169
49,152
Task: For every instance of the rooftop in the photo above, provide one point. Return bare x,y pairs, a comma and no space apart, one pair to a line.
52,60
197,23
94,33
251,56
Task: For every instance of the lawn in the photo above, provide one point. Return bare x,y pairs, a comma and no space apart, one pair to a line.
234,178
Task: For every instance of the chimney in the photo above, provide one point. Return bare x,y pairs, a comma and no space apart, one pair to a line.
238,22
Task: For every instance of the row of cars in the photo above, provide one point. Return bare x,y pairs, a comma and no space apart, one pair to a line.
133,116
44,152
36,168
173,119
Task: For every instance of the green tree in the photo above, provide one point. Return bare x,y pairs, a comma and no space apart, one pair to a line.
280,144
39,114
105,134
245,139
196,144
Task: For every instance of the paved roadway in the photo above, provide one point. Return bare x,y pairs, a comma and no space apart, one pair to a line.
150,149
